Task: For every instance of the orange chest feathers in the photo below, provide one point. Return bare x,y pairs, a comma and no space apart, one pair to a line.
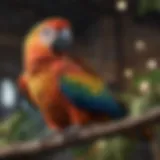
42,87
45,93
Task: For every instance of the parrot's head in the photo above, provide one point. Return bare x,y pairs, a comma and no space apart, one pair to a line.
49,38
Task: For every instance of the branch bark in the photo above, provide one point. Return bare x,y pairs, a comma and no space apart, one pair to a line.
38,148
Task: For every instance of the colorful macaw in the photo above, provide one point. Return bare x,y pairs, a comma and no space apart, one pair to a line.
66,90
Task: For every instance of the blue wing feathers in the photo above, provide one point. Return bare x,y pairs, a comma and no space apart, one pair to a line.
81,97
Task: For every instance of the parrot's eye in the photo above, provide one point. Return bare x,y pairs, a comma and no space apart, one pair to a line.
48,35
66,32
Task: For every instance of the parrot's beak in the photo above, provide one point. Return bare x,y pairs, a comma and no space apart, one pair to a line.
63,41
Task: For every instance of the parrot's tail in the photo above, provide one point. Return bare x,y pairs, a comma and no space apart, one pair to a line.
123,107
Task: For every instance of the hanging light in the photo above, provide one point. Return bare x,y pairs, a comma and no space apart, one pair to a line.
140,45
144,87
121,5
128,73
151,64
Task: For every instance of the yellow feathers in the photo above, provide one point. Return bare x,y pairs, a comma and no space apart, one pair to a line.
94,84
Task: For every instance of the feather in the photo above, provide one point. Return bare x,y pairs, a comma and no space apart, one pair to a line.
89,93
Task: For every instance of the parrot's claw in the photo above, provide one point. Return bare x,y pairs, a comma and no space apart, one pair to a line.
71,132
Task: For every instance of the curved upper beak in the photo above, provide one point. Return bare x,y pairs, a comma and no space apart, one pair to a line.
63,41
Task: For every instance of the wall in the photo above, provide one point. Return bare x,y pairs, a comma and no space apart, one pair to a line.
140,44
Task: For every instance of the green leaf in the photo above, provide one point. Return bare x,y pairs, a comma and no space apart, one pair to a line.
140,105
116,148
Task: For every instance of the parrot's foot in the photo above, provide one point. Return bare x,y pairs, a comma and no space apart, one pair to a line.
71,132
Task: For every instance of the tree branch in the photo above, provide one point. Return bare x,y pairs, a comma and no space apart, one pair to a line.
37,148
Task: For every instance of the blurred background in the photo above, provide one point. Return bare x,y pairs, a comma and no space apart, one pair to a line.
120,39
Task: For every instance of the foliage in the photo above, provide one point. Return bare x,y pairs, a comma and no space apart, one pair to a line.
139,101
146,6
21,126
28,124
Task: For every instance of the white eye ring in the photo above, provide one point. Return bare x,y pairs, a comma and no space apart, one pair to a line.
47,36
67,33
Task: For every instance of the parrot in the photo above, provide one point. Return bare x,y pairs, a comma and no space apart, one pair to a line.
66,90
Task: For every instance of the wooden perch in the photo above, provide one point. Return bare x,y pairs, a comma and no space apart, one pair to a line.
38,148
